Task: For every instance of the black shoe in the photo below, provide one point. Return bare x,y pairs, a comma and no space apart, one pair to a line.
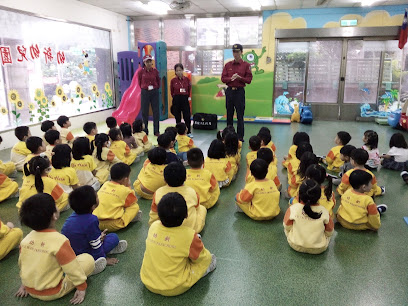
382,208
404,175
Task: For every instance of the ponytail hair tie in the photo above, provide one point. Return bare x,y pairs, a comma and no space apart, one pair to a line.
43,155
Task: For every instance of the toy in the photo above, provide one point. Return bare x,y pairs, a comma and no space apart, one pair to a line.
306,115
282,105
366,111
403,122
394,118
295,115
253,59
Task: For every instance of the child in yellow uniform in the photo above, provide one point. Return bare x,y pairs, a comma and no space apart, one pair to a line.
267,155
358,159
120,148
254,146
175,257
84,163
232,154
172,131
52,137
202,180
7,168
37,181
126,130
36,146
298,138
117,202
49,268
111,123
141,137
151,175
308,226
10,238
8,187
333,159
91,130
175,176
62,172
185,143
259,199
357,210
66,135
266,139
165,141
217,163
46,126
19,151
104,158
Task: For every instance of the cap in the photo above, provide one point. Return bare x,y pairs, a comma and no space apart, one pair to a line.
147,57
237,47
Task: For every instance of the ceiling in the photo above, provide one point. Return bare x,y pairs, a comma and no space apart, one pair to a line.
133,8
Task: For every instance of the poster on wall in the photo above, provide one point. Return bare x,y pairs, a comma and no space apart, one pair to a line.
51,68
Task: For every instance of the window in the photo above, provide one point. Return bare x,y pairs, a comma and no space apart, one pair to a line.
177,32
147,30
173,57
189,60
244,30
210,62
210,31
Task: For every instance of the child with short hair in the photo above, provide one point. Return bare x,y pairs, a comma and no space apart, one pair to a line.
36,146
82,230
298,138
91,130
104,158
10,238
228,129
175,175
140,135
117,202
308,225
84,163
7,168
172,131
52,137
151,175
126,130
61,171
345,153
266,142
267,155
19,152
46,126
358,159
217,163
66,135
111,123
254,146
185,143
396,158
120,148
357,209
37,181
232,154
201,180
307,159
370,140
175,257
165,141
293,167
332,159
49,268
259,199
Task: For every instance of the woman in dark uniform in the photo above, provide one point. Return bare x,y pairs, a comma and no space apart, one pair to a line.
180,88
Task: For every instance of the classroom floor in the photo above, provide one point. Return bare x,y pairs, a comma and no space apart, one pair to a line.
255,265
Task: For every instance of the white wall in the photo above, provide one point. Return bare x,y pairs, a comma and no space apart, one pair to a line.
75,11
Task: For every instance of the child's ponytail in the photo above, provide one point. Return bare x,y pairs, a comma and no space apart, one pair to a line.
328,190
318,173
100,139
36,167
309,194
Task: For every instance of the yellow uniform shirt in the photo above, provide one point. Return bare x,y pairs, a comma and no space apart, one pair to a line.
18,154
221,169
90,137
328,204
65,177
66,136
358,211
333,159
185,143
151,177
84,168
259,200
305,234
345,184
7,187
48,151
233,160
205,184
174,260
250,157
294,179
123,152
196,212
275,159
45,257
272,146
50,186
291,155
271,175
7,168
103,166
143,141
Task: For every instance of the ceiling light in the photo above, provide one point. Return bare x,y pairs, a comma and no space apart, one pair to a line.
255,5
154,7
368,2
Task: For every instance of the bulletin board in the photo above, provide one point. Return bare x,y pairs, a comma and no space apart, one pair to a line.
51,68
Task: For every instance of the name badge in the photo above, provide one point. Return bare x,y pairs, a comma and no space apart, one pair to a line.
150,87
182,90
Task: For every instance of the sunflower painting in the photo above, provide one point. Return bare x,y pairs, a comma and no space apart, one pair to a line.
13,96
107,86
78,89
19,104
59,91
64,98
31,108
3,110
53,103
94,88
38,93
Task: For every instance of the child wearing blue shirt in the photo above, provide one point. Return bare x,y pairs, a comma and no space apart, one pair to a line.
82,230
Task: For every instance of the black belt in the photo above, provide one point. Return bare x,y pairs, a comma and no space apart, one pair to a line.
235,88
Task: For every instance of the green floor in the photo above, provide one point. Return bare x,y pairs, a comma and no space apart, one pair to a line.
255,265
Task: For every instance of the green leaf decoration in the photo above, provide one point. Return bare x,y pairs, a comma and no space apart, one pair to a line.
47,116
40,119
18,115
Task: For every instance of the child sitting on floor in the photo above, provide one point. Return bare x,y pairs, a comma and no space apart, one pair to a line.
267,155
175,257
49,268
111,123
66,135
52,137
91,130
308,226
117,202
82,230
10,237
140,135
266,142
126,130
357,210
201,180
370,140
259,199
19,152
175,176
298,138
185,143
231,152
151,176
254,146
36,145
104,158
217,163
8,168
165,141
120,148
172,131
397,157
345,153
332,159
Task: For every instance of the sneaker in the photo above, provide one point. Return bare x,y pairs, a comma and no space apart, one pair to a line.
190,135
100,265
382,208
212,265
138,217
404,175
238,208
382,189
120,248
333,177
199,236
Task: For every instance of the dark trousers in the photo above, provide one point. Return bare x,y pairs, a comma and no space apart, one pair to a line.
390,163
150,97
181,105
235,100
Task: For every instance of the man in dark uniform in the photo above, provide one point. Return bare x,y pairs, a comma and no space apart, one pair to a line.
236,75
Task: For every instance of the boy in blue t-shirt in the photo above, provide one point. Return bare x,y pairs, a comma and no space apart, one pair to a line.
82,230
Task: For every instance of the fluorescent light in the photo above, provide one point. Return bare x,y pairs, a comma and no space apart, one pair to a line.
155,7
368,2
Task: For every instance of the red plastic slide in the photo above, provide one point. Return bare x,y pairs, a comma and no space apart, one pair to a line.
130,105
